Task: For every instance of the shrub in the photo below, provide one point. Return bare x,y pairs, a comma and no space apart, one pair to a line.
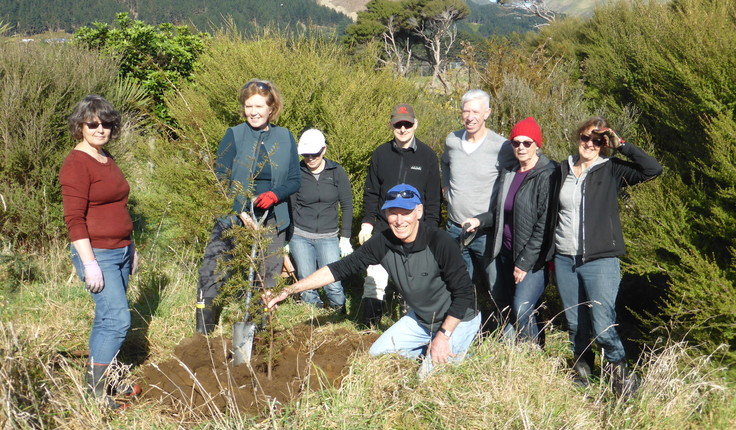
321,87
39,85
675,63
155,57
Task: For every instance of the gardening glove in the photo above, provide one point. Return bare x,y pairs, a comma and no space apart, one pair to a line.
93,276
365,233
610,137
345,247
286,248
266,200
134,264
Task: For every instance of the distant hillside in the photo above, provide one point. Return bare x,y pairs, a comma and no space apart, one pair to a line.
568,7
489,18
38,16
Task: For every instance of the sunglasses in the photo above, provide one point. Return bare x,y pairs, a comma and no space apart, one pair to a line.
260,85
526,143
406,194
312,155
406,124
585,139
92,125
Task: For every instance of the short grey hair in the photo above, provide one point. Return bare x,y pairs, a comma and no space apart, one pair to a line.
476,94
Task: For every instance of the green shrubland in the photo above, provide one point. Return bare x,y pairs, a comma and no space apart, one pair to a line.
662,73
322,87
674,63
39,86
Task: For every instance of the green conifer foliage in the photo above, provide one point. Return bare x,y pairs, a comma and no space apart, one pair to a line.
676,63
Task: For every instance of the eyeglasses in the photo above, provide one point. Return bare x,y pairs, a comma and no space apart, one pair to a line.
406,124
260,85
586,138
92,125
526,143
406,194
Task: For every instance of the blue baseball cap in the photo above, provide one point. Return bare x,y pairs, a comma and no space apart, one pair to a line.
402,196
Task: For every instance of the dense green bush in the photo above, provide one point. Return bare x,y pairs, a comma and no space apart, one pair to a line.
39,85
675,63
322,88
157,58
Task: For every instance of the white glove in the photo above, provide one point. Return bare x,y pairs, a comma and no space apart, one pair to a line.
345,247
134,266
93,276
134,263
366,230
286,248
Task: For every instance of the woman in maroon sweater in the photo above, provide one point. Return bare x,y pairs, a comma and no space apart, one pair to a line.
95,195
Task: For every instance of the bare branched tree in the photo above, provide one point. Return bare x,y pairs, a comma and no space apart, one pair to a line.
538,8
397,49
437,31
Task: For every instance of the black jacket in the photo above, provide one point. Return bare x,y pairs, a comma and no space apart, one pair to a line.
314,206
429,273
390,166
532,224
602,233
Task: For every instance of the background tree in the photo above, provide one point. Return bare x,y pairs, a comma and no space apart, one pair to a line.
537,8
434,25
401,26
385,22
157,57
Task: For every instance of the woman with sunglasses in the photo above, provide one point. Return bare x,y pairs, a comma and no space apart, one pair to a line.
95,197
258,162
588,241
521,242
314,241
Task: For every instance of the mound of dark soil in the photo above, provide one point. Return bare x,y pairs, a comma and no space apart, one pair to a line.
202,378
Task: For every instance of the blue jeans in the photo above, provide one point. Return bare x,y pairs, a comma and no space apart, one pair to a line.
112,316
588,292
476,254
311,254
517,303
408,337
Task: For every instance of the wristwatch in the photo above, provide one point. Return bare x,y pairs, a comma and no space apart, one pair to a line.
447,333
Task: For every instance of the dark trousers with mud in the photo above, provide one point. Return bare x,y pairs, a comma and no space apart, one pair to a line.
213,275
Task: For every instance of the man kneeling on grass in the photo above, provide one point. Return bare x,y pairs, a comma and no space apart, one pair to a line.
428,271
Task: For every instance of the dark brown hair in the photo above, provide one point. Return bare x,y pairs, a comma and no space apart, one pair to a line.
265,89
595,122
86,110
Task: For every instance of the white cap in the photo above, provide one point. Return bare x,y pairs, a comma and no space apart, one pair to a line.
311,142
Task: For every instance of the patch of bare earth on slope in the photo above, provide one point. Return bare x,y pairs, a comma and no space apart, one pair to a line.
201,378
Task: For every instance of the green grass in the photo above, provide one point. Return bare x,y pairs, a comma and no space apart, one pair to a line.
498,386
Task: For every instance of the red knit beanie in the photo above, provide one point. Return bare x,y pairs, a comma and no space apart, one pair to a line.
527,127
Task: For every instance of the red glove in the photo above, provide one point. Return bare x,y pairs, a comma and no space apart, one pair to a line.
266,200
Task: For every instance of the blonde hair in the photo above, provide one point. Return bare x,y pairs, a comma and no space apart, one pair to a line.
265,89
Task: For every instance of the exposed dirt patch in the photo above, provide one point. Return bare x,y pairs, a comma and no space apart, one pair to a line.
201,376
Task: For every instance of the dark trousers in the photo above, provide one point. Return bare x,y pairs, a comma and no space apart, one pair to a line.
212,275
